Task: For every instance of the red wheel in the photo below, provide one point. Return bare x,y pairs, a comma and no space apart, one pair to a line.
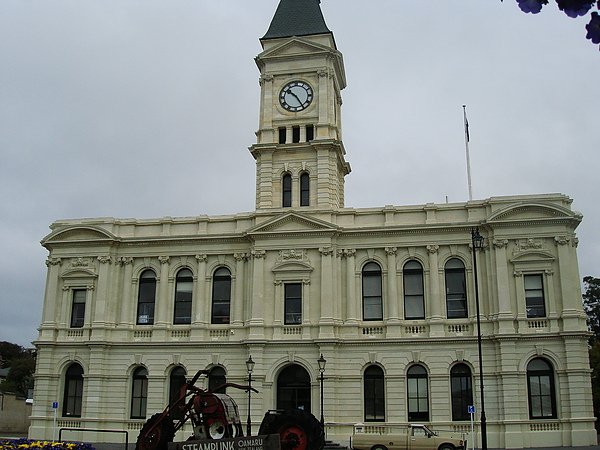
156,434
297,430
293,437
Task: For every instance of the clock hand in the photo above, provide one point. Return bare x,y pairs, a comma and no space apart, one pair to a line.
297,98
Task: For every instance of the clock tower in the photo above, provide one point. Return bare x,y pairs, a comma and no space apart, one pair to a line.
300,158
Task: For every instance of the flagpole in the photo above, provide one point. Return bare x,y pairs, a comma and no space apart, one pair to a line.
467,152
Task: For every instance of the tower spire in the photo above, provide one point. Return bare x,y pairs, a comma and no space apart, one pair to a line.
297,18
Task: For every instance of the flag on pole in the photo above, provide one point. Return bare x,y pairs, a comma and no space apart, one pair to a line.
466,123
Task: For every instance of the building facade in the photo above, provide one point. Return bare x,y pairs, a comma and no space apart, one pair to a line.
385,294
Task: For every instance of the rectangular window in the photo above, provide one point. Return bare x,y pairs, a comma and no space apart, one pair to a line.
310,133
418,406
456,294
293,304
78,308
534,295
282,135
414,305
295,134
139,398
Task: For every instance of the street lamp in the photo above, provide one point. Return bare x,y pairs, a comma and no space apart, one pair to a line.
249,368
477,240
322,361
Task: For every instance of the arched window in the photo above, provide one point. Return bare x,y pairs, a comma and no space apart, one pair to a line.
286,183
371,291
221,296
414,298
146,298
293,388
461,389
304,189
176,381
418,394
139,393
216,378
374,392
184,283
456,289
73,395
541,392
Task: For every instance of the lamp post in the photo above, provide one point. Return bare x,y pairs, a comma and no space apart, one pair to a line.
249,368
322,361
477,240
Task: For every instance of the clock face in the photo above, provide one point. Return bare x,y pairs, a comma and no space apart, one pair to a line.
296,96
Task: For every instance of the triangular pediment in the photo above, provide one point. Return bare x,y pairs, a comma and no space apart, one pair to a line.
295,46
531,211
78,234
293,223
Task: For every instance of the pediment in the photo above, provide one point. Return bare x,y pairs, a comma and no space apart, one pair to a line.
293,222
533,256
79,273
531,211
294,46
78,234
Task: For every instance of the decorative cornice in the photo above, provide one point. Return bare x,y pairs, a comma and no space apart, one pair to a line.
433,249
391,251
500,243
124,260
80,262
325,251
240,257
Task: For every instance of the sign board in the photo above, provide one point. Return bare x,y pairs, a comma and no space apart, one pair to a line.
471,409
54,405
264,442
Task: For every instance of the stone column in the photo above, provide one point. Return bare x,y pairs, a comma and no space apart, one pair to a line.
257,299
505,312
326,321
436,299
392,284
351,306
52,295
127,300
237,318
200,300
100,311
161,318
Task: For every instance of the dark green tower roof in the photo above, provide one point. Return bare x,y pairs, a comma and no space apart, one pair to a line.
297,18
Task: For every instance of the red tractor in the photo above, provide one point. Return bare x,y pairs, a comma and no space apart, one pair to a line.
215,416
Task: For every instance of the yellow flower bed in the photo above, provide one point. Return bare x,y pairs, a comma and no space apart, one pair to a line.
14,444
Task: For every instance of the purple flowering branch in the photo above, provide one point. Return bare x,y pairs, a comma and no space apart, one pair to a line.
572,8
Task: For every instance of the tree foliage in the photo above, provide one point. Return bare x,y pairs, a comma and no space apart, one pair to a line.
591,304
573,9
21,365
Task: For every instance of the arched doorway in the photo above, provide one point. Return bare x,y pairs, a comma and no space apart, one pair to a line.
293,388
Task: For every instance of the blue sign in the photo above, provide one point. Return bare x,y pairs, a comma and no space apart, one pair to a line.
54,405
471,409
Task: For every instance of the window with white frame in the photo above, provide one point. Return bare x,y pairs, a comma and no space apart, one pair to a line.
292,303
534,295
78,308
372,292
414,298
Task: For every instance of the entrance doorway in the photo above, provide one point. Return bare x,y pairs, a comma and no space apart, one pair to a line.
293,388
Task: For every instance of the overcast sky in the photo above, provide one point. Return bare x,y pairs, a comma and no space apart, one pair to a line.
146,108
